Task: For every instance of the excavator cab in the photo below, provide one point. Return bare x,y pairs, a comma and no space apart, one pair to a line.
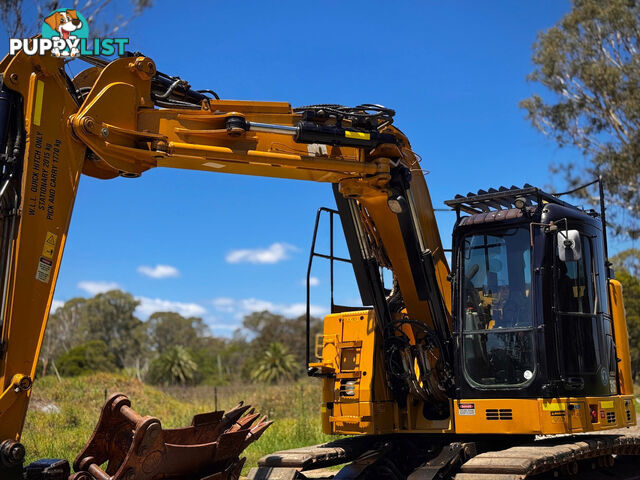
531,312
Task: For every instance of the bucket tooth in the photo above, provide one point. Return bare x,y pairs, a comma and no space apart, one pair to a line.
256,432
235,413
245,422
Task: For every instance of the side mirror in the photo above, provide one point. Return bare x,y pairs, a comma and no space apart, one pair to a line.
569,245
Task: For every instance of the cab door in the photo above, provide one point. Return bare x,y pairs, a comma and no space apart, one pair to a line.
582,321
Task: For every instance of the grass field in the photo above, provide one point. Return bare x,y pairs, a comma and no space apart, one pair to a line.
294,407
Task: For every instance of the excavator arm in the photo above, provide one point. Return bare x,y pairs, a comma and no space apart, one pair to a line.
122,118
41,166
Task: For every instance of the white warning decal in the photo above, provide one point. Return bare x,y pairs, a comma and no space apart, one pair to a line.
466,409
44,270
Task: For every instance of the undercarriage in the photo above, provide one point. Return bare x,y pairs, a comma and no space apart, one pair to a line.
416,457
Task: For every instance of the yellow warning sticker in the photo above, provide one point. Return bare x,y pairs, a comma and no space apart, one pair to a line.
49,245
608,404
553,407
358,135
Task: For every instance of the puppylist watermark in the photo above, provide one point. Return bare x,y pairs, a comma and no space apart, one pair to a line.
65,33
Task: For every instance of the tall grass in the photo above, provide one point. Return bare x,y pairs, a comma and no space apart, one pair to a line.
294,408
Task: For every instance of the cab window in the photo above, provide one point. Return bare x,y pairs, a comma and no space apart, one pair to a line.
579,300
497,316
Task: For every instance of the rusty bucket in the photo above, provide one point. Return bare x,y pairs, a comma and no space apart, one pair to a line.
138,448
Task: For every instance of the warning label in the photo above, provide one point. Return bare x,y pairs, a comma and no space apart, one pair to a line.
49,245
466,409
44,270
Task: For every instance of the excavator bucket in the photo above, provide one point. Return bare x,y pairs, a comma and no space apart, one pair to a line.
137,447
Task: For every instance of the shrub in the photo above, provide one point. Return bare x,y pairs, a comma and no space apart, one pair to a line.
89,357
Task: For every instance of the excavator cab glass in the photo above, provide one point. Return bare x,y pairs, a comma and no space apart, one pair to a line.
498,343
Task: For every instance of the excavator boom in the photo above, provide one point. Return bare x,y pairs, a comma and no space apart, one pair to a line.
106,123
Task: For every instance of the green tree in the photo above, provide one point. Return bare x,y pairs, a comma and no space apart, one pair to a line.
236,359
628,260
169,329
110,317
590,63
276,363
89,357
265,328
175,367
62,331
216,364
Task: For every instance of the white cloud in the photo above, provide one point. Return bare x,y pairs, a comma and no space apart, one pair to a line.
275,253
222,327
224,304
244,306
93,288
159,271
150,305
55,304
313,281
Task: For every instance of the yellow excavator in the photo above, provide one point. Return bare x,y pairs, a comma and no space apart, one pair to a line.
492,369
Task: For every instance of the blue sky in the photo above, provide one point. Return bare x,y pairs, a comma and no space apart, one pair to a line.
226,245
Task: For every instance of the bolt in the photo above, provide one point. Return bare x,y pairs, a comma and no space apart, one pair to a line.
17,453
88,124
13,77
153,432
159,145
144,67
104,132
11,453
25,383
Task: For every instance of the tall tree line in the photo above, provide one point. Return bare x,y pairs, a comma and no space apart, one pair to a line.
102,333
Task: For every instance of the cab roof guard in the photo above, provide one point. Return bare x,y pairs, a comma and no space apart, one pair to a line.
502,199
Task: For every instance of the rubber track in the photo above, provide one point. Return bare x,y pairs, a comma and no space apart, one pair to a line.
522,461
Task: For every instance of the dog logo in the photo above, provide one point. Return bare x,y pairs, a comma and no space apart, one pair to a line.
65,27
65,33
